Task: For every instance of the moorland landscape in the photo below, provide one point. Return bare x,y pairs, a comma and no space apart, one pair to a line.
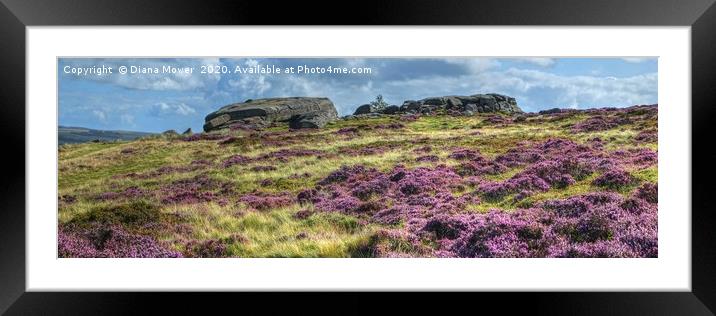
455,176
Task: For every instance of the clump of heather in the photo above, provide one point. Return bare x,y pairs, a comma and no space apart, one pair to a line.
448,227
394,125
364,150
540,176
498,119
263,168
640,157
388,197
347,131
650,136
128,193
479,167
409,117
501,234
109,241
648,192
593,225
614,179
391,243
236,160
211,248
189,197
599,123
246,141
198,189
193,166
261,201
465,154
284,154
203,136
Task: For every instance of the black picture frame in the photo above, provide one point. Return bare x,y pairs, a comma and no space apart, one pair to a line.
700,15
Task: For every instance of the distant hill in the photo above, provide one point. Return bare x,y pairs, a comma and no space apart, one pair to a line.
73,135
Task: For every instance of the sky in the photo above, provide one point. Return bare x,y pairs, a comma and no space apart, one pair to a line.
173,98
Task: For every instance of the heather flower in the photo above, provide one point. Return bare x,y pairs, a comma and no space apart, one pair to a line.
648,192
341,174
307,196
262,168
409,117
203,136
498,119
101,241
450,227
342,203
365,190
464,154
284,154
128,193
650,136
265,201
236,160
614,179
347,131
212,248
427,158
188,197
599,123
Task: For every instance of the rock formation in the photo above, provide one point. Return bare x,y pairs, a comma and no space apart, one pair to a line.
465,105
369,108
299,112
468,105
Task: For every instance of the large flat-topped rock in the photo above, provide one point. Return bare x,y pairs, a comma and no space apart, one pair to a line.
476,103
263,112
452,104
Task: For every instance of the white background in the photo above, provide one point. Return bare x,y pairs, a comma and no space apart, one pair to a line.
671,271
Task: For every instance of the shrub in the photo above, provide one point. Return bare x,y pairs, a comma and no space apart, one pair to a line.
614,179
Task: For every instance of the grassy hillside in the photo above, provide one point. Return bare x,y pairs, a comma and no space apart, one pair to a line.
574,184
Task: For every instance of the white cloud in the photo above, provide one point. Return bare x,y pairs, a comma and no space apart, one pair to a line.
635,59
536,90
127,119
100,115
251,84
163,108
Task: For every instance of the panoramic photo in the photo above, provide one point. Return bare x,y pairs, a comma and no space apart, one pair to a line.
454,157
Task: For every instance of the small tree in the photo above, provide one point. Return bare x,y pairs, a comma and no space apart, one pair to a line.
379,102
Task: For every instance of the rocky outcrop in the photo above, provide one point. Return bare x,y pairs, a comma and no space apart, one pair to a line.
391,109
369,108
468,105
454,104
297,111
311,120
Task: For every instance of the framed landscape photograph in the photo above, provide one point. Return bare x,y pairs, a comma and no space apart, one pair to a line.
551,158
